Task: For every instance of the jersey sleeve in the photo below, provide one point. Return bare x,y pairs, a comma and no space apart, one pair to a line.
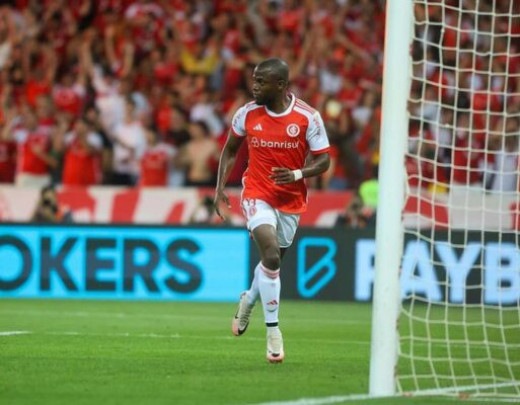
317,135
238,124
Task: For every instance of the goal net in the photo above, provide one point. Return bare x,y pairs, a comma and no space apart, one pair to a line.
459,322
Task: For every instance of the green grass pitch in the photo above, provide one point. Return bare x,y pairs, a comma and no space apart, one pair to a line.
112,352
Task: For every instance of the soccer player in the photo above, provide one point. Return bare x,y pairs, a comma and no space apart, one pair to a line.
280,131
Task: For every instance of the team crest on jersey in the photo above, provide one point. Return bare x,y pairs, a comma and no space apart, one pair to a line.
293,130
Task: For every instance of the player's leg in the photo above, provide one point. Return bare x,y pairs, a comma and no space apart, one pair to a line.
272,244
247,302
269,271
269,287
252,295
257,213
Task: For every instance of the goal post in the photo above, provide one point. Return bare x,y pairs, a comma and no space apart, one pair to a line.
389,235
446,303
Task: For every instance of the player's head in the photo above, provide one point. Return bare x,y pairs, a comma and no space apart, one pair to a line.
270,80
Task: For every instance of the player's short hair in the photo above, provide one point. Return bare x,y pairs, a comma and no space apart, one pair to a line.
277,66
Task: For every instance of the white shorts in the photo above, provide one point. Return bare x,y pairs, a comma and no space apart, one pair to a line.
258,212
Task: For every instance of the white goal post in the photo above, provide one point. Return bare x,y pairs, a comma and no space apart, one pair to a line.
446,306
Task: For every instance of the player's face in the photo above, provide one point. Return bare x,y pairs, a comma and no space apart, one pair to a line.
265,87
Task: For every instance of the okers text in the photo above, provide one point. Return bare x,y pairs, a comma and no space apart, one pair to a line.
96,261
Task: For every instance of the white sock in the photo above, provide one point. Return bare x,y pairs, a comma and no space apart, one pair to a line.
253,293
269,286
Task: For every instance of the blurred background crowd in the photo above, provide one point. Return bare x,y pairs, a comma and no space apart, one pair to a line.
121,92
142,92
465,98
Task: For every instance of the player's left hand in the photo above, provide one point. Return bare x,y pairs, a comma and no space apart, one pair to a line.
282,175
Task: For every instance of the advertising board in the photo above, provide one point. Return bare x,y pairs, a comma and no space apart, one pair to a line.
217,263
122,262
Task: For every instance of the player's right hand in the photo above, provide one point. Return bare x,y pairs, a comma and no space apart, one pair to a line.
220,196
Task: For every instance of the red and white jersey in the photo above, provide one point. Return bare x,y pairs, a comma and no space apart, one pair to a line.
82,165
279,140
69,99
28,142
155,165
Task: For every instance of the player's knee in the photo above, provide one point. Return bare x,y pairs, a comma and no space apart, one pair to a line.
272,258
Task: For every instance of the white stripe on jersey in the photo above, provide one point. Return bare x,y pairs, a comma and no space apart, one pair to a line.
316,134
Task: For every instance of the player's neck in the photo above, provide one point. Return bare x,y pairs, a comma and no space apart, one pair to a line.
280,105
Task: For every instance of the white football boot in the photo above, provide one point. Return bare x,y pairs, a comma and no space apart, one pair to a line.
275,353
241,319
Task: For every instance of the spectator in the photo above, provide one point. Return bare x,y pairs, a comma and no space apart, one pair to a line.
142,106
69,92
183,62
48,209
346,170
204,110
331,80
424,171
177,133
129,144
156,162
356,215
34,159
82,155
199,156
467,154
423,163
360,212
38,81
201,58
501,170
105,83
46,113
93,117
362,113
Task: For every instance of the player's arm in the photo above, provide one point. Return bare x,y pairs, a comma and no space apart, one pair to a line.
226,163
319,164
316,166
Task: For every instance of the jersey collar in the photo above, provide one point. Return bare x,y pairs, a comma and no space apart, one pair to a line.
286,112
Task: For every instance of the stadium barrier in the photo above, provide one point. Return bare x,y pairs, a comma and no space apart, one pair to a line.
215,264
152,206
462,208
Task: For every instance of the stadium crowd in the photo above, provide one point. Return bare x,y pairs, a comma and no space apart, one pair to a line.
141,92
465,97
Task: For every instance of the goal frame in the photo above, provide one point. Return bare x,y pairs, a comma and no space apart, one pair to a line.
389,226
497,371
